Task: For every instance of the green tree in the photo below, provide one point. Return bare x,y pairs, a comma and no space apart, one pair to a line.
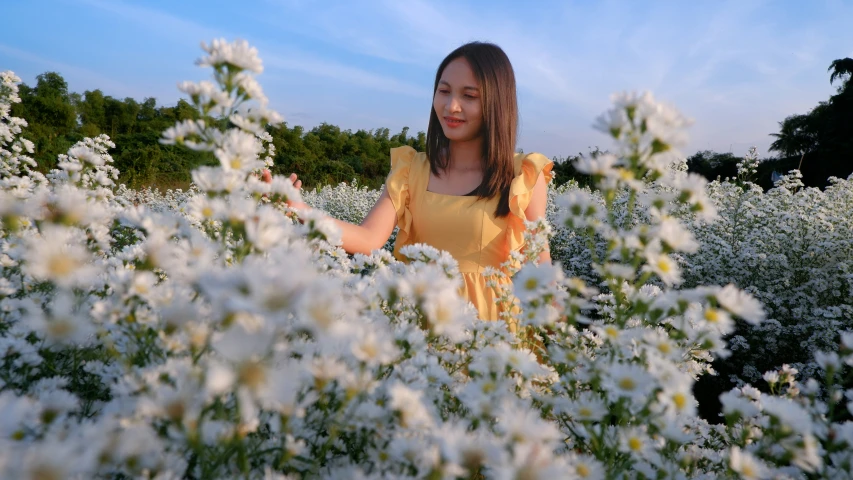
50,105
842,69
820,143
91,109
713,165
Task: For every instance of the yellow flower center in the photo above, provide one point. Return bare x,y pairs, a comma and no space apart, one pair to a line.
712,315
61,265
635,444
175,410
627,383
442,315
322,315
46,472
252,374
60,328
370,349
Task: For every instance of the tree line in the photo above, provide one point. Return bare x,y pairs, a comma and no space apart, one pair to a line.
322,155
819,143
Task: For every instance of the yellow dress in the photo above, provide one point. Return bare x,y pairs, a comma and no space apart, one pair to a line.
464,226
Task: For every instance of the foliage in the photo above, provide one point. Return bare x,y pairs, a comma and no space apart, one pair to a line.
324,155
822,140
713,165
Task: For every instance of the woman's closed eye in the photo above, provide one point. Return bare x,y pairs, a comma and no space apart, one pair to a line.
468,96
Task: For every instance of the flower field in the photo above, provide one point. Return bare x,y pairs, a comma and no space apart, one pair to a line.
213,334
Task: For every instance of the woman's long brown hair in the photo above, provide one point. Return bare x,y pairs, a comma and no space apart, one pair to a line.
496,79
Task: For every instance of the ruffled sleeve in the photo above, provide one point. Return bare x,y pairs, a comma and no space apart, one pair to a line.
527,170
397,185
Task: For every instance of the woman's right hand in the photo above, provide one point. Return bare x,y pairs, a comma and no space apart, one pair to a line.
266,176
297,183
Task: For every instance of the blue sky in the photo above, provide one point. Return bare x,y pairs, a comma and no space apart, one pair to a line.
736,67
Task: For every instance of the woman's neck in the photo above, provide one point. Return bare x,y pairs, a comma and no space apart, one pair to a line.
466,155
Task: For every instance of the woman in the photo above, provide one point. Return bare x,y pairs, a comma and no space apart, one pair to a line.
469,193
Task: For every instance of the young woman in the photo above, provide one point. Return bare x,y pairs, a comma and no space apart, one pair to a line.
469,193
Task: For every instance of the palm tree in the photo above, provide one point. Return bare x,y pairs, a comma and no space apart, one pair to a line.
841,69
797,134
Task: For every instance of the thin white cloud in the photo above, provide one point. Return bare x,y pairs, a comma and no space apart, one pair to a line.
73,74
165,24
299,62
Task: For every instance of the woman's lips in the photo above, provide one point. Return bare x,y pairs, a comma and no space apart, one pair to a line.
453,122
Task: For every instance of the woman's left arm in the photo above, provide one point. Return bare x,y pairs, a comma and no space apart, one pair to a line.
536,210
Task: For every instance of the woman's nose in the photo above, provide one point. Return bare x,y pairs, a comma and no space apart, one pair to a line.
454,105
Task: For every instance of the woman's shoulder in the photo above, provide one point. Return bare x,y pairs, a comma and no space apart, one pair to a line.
532,162
406,157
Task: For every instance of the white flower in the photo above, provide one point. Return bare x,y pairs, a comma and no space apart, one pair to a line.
678,399
317,313
284,388
675,236
251,87
636,441
772,378
602,164
577,209
220,378
447,313
532,281
374,348
810,457
238,54
246,354
630,381
741,304
788,413
267,229
718,320
847,340
524,425
663,266
65,323
207,94
321,225
661,344
239,150
588,407
746,465
181,131
613,122
585,467
58,255
409,405
828,361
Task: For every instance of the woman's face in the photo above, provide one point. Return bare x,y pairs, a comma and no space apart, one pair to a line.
457,102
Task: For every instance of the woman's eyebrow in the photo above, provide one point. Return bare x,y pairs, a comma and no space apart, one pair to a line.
467,87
